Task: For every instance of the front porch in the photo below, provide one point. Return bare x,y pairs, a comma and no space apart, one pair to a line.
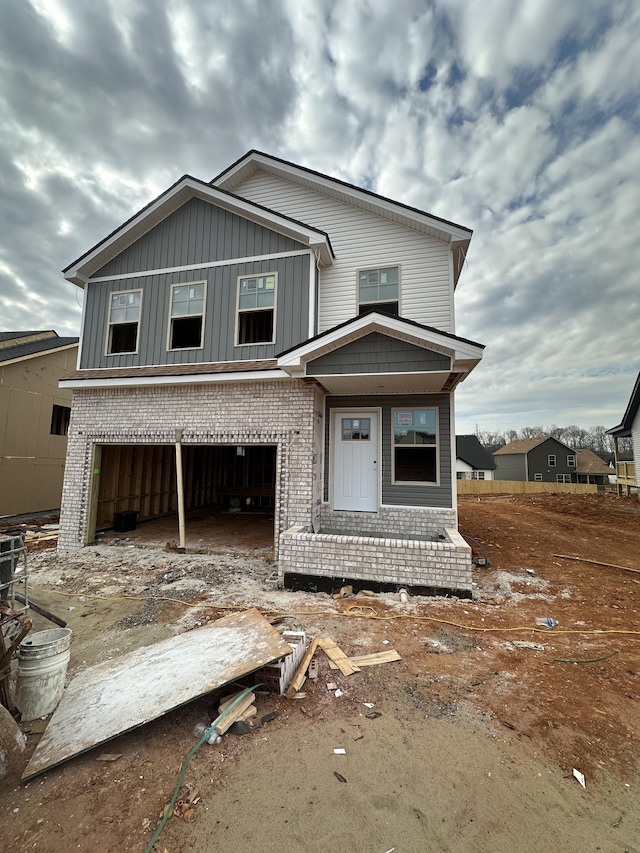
441,563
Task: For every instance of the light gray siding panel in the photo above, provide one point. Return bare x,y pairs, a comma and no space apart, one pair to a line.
510,466
196,233
292,313
360,240
378,353
411,495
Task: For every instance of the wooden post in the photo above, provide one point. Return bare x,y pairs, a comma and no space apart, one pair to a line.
615,457
180,488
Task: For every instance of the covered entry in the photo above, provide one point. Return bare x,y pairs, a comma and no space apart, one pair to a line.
140,482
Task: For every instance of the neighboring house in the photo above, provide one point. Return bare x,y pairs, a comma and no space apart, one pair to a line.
590,468
627,472
472,460
34,418
290,339
542,459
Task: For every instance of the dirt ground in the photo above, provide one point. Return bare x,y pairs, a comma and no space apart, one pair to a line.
479,726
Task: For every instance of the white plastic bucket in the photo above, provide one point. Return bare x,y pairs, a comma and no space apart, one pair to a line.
42,669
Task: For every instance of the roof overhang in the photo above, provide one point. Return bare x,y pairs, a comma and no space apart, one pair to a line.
624,429
171,200
78,382
456,235
464,355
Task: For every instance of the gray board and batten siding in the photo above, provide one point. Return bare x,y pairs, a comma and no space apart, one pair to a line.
400,495
510,466
292,293
197,232
378,353
538,459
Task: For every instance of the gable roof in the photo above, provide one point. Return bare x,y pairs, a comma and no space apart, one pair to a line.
169,201
588,462
624,427
524,445
469,449
15,346
403,214
464,354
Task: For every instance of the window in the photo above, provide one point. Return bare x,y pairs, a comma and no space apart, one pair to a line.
60,420
551,460
537,477
256,308
563,478
571,460
124,318
187,314
415,446
379,290
460,475
478,475
356,429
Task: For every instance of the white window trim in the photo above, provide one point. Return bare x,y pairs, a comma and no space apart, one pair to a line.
139,290
537,478
183,316
555,460
563,478
379,301
274,309
395,482
571,460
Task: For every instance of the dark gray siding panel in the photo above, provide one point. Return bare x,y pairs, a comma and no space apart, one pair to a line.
539,460
292,315
378,353
196,233
510,467
412,495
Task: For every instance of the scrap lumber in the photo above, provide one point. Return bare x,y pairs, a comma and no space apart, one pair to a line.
335,653
235,713
298,679
596,563
371,659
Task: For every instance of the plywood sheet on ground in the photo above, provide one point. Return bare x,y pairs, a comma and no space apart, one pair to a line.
116,696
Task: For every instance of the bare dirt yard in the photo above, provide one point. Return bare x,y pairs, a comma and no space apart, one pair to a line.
468,743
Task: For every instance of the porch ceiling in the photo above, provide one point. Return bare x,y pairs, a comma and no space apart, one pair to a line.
388,383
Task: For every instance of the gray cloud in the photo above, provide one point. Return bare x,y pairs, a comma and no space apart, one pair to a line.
517,118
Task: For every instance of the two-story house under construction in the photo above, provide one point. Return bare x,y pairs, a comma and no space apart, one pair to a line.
282,337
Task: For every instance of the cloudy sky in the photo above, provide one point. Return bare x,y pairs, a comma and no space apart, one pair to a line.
516,118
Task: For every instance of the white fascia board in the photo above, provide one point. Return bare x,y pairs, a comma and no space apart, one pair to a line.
325,182
182,379
188,188
373,323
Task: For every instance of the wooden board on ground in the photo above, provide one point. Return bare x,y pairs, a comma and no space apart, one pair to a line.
335,653
371,659
114,697
298,679
235,713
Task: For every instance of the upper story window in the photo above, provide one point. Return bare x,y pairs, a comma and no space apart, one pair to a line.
187,315
256,309
415,446
551,460
124,319
379,289
571,460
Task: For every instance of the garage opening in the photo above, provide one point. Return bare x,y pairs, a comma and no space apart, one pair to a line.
229,494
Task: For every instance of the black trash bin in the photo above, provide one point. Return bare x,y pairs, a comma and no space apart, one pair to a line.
123,521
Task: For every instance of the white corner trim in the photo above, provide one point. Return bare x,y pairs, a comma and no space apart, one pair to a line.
181,379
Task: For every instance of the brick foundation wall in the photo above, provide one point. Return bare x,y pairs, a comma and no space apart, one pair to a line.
445,565
270,412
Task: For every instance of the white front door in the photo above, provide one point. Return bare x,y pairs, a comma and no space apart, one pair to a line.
355,461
